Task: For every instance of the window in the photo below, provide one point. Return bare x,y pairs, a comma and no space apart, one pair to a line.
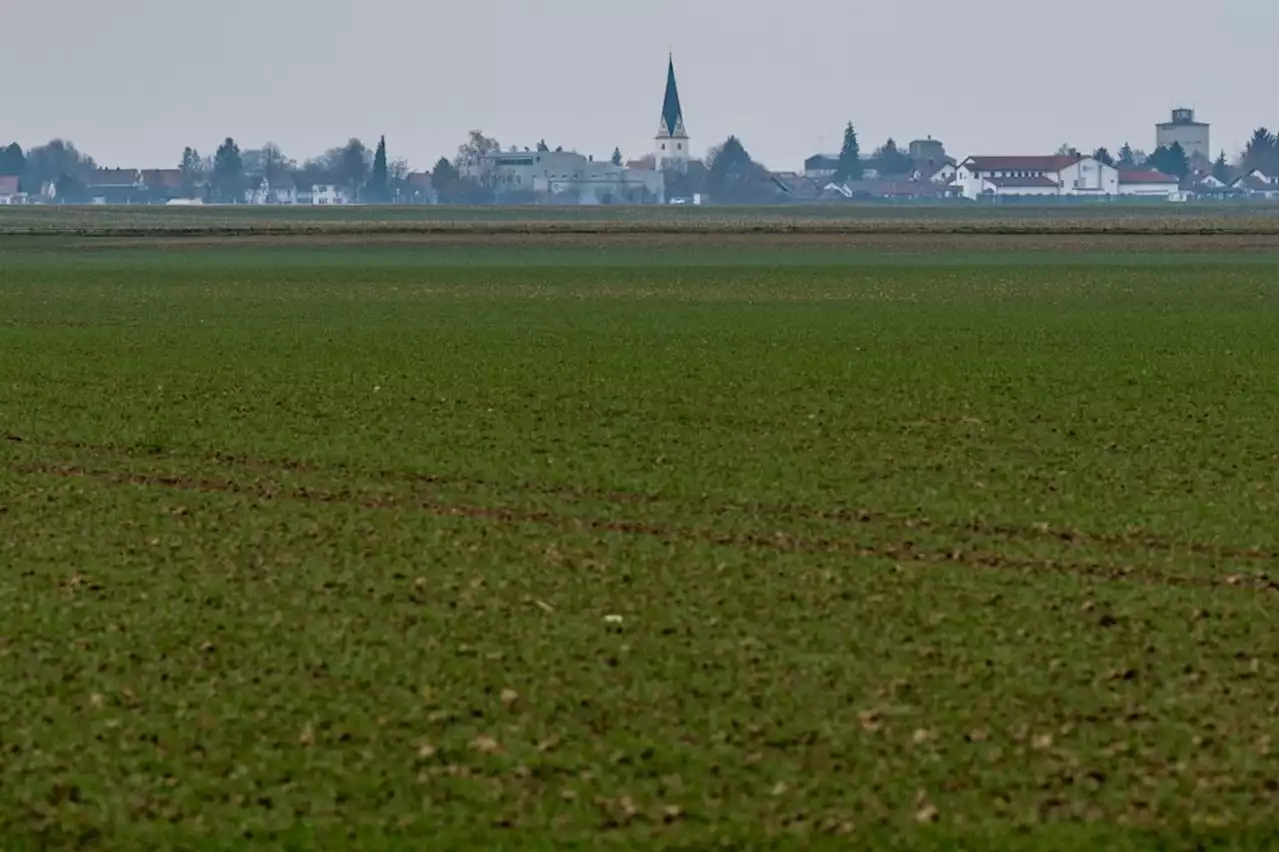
679,146
664,146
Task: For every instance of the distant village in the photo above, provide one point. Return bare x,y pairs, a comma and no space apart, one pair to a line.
1182,165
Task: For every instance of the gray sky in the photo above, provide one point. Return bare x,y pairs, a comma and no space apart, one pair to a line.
133,81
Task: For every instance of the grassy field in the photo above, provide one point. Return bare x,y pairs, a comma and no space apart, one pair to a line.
541,546
1039,218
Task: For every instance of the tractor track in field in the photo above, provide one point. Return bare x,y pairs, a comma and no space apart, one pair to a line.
967,551
1135,541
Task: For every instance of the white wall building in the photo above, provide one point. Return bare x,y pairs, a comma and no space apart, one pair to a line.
1055,175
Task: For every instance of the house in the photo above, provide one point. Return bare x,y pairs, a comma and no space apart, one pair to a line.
820,166
9,193
1255,184
116,186
1148,182
565,177
323,195
893,189
1052,175
163,184
280,189
945,173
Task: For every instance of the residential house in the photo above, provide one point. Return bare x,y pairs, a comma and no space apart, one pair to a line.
564,177
163,185
116,186
893,189
280,189
1148,182
1256,184
821,165
9,193
324,195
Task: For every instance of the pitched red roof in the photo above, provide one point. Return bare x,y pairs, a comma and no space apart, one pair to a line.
1050,163
8,184
1146,176
1022,181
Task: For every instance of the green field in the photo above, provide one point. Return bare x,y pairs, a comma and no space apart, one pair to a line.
461,546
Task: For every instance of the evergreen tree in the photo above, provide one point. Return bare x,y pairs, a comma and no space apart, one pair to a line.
542,145
444,179
1102,155
1221,170
1178,162
1261,153
616,159
12,160
1126,159
378,189
849,167
192,168
228,171
890,160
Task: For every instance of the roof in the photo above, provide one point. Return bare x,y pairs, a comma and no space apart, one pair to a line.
167,178
1253,183
1023,181
672,118
1146,176
8,184
114,177
1050,163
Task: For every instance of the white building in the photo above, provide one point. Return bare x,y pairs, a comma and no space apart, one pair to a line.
671,144
1183,128
566,177
1148,182
1055,175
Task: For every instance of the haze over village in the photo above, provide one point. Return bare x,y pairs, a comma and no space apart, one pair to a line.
1178,161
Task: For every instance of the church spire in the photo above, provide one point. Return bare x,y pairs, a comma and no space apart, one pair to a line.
672,125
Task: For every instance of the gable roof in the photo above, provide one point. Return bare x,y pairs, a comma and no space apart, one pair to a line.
115,177
8,184
672,124
1049,163
1253,183
1146,176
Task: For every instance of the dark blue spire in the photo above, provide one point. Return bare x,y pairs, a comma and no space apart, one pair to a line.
672,119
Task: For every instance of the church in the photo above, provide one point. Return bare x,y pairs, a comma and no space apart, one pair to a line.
671,144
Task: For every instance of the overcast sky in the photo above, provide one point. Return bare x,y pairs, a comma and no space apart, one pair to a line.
133,81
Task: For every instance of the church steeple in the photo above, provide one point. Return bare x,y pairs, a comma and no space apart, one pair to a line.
672,124
671,145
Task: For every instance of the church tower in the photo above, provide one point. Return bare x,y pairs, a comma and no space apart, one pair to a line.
671,145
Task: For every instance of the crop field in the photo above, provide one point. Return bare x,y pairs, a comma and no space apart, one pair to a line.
935,541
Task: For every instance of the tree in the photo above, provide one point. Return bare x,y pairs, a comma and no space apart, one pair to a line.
49,163
849,166
1261,152
353,166
1065,150
193,173
1170,161
444,179
890,160
542,145
1102,155
734,178
227,177
1221,170
1126,159
616,159
378,189
12,160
